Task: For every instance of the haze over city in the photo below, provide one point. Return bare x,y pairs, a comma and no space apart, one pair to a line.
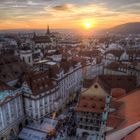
67,14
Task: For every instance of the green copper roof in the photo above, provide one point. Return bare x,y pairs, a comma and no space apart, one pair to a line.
6,93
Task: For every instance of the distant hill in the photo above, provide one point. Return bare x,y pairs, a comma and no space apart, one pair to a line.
128,28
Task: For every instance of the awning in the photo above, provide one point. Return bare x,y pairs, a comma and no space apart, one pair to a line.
30,134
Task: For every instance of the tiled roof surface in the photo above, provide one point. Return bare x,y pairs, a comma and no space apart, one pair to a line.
39,82
11,68
91,104
114,121
41,39
131,108
125,82
118,92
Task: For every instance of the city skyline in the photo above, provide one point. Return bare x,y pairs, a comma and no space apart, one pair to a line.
27,14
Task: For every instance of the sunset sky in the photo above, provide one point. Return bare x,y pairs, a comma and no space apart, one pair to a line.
37,14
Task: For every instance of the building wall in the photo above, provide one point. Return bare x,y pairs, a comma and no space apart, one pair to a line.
94,70
26,56
38,107
70,84
11,115
87,122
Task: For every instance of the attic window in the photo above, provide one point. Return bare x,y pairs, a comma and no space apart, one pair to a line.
93,106
84,105
4,75
102,107
96,86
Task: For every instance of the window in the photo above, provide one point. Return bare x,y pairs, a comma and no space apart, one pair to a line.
23,59
96,86
29,59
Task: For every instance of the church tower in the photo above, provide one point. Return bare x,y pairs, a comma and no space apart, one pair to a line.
48,30
34,35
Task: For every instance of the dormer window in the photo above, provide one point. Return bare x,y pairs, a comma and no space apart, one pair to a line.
96,86
4,75
84,105
93,106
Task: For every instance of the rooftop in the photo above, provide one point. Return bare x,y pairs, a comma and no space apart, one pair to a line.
90,104
131,108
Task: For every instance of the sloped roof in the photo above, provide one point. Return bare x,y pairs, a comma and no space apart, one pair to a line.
125,82
41,39
131,108
91,104
11,68
39,82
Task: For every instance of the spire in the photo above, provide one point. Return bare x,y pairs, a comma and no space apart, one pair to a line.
34,34
48,30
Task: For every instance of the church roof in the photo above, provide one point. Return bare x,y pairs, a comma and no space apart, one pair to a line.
41,39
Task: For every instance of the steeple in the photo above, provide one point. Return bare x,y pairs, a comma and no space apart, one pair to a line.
48,30
34,35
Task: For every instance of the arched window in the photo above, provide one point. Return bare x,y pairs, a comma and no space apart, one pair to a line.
20,126
26,122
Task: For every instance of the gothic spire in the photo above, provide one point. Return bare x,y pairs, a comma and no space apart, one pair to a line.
48,30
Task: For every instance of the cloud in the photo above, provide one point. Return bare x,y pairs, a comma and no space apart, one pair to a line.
64,7
71,11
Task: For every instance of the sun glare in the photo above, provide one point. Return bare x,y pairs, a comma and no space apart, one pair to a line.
88,25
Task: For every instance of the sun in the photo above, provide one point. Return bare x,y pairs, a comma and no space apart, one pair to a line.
88,25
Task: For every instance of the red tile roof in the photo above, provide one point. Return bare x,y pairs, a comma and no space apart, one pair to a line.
11,68
118,92
131,108
114,121
39,82
109,82
91,104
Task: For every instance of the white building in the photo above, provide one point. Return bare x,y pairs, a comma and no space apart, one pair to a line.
11,112
40,96
27,56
